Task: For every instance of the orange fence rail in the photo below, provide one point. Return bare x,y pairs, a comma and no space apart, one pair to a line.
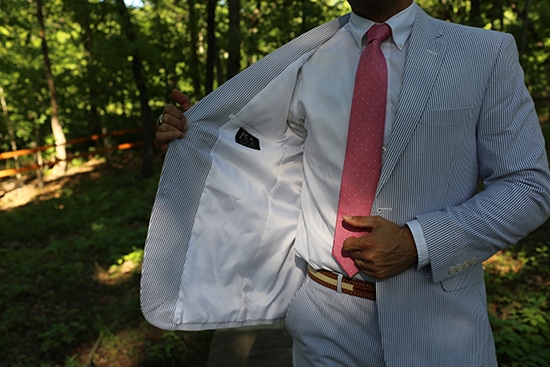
22,152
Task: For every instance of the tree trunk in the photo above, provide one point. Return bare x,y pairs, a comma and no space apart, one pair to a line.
38,157
211,50
524,27
11,133
94,124
234,38
57,127
83,11
305,7
194,65
475,13
146,118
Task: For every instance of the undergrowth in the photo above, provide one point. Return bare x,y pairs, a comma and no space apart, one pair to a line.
69,294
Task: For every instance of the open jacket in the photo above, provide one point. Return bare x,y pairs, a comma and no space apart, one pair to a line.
219,250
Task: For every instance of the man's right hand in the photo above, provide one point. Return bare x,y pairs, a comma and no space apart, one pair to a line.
174,122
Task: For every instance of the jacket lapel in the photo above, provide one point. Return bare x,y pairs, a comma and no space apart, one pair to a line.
425,56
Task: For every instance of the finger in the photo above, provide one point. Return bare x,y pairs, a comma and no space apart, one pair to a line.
362,221
182,99
171,123
351,246
170,109
360,264
162,138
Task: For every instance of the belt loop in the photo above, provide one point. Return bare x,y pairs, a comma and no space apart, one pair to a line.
339,286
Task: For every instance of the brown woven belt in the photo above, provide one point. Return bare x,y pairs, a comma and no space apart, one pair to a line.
349,286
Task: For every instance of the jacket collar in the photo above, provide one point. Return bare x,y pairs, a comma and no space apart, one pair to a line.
426,52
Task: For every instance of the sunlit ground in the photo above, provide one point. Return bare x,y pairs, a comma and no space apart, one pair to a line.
13,196
70,292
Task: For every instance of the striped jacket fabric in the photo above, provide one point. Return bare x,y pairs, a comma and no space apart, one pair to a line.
219,250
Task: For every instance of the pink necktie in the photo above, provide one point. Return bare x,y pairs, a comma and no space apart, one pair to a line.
365,138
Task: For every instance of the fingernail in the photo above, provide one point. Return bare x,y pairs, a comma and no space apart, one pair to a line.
347,217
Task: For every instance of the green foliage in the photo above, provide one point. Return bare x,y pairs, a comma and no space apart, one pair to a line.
173,349
60,335
526,20
66,258
72,362
519,301
70,275
91,54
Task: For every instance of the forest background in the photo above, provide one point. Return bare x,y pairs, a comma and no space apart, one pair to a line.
70,69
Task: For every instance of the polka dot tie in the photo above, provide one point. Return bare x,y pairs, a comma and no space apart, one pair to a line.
365,138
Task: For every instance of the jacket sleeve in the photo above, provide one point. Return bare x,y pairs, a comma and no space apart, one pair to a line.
513,167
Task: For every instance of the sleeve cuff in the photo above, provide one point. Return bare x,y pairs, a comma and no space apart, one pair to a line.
420,241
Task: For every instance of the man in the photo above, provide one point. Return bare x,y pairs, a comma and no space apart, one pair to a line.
248,203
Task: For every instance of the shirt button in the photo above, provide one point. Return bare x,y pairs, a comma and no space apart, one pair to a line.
384,149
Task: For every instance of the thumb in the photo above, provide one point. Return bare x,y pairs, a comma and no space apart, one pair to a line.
182,99
359,221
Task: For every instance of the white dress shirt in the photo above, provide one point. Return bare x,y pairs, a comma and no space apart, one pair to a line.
320,111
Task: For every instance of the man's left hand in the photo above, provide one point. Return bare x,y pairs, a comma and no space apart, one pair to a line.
387,250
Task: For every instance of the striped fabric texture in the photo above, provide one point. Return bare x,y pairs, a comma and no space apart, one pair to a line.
185,171
219,247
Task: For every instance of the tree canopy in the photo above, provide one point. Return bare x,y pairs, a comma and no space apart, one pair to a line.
74,68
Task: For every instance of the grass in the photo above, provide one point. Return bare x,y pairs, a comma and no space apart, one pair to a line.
69,294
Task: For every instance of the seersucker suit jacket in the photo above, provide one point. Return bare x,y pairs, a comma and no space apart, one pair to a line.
219,250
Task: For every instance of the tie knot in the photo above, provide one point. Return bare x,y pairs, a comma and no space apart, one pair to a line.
378,32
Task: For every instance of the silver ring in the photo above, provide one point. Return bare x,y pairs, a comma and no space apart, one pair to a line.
159,120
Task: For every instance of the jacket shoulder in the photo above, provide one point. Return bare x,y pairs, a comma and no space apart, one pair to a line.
471,36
